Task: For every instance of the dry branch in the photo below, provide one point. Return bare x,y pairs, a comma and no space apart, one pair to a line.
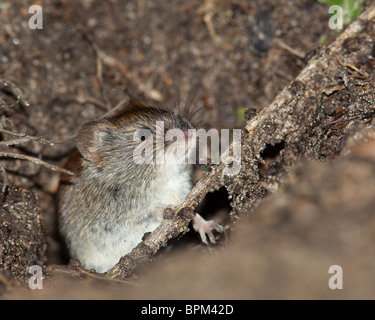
20,138
34,160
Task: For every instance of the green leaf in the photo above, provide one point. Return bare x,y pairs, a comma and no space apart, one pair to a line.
241,113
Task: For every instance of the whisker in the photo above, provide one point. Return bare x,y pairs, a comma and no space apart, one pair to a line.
178,102
196,111
199,124
193,95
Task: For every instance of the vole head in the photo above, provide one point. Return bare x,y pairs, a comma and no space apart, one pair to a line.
135,136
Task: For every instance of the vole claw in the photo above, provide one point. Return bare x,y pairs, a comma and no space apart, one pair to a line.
205,228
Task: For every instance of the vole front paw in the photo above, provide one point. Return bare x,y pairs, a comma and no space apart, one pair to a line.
205,228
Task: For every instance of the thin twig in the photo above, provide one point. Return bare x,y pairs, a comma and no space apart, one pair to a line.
295,52
78,272
25,138
6,107
106,278
207,10
36,161
112,62
10,87
5,179
99,76
115,108
14,142
87,99
347,65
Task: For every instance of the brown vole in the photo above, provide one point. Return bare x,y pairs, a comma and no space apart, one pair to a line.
113,200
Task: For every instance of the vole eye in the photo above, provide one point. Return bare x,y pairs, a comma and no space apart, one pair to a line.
142,134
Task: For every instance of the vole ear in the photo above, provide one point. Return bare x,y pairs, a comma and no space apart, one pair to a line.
91,138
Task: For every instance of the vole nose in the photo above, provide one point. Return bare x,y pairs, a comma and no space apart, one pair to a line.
188,134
